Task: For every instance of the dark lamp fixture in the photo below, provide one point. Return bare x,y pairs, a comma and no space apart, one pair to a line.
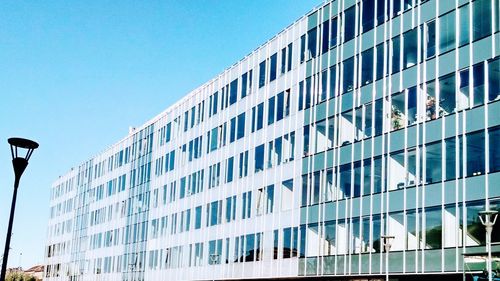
17,146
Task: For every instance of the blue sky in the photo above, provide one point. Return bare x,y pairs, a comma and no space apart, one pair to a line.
75,75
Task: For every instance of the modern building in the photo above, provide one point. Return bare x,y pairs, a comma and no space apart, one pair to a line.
363,118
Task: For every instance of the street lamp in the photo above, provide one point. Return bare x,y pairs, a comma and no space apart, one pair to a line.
488,219
387,243
19,163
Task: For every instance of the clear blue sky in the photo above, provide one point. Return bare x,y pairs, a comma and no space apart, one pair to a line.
75,75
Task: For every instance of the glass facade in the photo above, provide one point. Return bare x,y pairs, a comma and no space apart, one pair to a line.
365,118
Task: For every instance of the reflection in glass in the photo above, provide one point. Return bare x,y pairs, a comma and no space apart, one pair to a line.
433,162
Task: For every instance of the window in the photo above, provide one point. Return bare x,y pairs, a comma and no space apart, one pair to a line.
215,250
367,67
433,162
464,22
463,97
452,149
289,63
398,112
244,81
478,83
233,94
246,205
308,95
396,7
257,117
395,54
197,217
447,32
345,181
280,106
262,74
325,30
348,73
324,86
271,106
243,168
433,228
265,200
333,81
302,48
381,58
230,208
430,102
259,158
381,12
229,169
494,79
368,19
475,153
431,39
494,151
481,18
447,94
349,23
333,32
232,130
241,126
214,213
283,61
311,43
273,66
410,51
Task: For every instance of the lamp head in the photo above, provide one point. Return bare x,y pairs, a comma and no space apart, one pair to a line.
488,217
19,161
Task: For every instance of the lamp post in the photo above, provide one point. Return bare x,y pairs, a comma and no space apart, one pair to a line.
387,243
488,219
19,163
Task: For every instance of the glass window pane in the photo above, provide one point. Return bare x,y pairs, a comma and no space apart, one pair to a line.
464,21
433,162
241,126
475,154
410,48
481,17
349,23
463,100
478,83
272,67
302,48
494,151
333,32
262,74
447,99
233,96
271,107
494,79
381,11
325,44
348,74
431,39
368,20
395,54
433,228
311,43
367,67
380,61
259,158
447,32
